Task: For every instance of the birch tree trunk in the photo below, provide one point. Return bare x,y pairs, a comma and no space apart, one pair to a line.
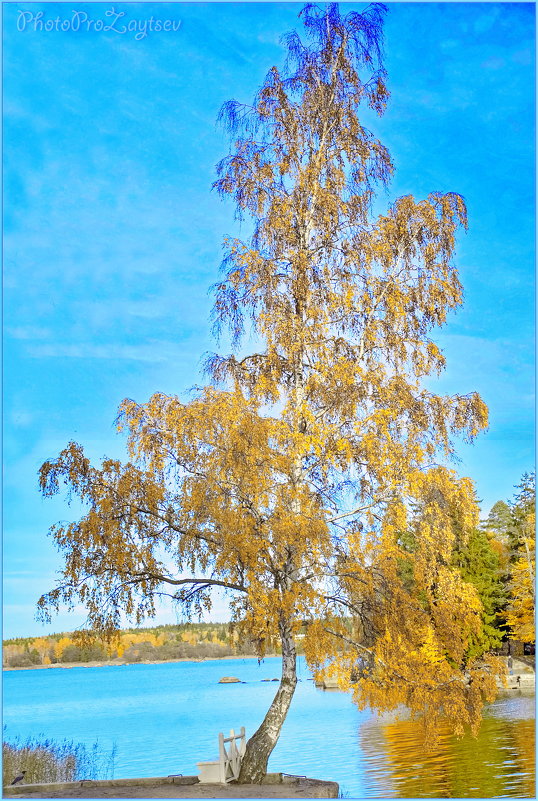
262,742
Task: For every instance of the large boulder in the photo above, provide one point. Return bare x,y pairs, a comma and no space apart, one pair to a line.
229,680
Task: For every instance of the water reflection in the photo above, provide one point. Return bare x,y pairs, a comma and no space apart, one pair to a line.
499,762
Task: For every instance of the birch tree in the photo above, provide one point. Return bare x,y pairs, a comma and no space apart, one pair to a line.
290,479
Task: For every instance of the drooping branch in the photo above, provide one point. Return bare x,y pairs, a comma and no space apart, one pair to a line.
393,674
205,582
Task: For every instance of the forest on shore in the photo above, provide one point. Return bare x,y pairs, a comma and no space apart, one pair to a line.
160,644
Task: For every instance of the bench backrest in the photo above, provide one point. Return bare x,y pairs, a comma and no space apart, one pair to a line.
230,757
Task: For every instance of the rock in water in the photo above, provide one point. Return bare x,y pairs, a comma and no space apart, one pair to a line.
229,680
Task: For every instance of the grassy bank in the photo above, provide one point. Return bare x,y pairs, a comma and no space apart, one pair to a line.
45,760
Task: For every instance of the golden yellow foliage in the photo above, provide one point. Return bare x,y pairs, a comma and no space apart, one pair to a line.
522,608
290,480
60,646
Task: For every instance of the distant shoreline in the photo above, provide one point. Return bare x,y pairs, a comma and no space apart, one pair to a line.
122,663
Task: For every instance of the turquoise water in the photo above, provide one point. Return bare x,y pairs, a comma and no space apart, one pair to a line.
164,718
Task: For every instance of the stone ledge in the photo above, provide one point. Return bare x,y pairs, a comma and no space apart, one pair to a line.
527,681
20,789
277,785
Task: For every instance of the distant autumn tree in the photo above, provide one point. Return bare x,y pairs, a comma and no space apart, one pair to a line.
289,479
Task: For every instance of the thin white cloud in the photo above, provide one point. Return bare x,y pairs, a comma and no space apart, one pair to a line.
157,352
28,332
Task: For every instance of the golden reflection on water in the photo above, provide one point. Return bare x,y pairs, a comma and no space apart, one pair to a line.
499,762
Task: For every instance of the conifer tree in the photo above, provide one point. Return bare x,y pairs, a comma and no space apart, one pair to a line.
289,479
521,610
480,565
499,520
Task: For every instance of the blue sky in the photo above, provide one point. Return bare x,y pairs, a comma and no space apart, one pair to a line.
112,234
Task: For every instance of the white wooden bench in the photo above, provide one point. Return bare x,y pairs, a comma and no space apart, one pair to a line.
228,765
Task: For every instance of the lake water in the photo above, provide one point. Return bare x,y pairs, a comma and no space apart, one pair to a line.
164,718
